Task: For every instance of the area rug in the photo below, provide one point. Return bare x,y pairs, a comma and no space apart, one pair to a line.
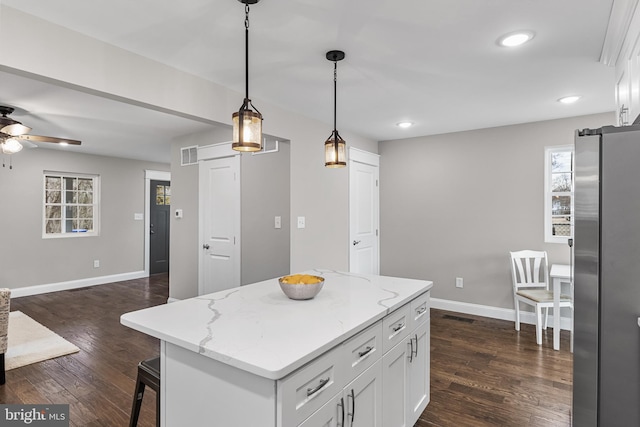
31,342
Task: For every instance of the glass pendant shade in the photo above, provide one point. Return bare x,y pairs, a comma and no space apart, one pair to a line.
11,146
335,152
247,130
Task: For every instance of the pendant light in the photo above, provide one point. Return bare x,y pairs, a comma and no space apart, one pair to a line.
247,123
335,151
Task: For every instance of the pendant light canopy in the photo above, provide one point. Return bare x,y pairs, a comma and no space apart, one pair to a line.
247,121
335,148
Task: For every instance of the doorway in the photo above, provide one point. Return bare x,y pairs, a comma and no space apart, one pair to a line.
364,212
159,225
220,224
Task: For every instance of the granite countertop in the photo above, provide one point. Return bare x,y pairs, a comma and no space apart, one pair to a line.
258,329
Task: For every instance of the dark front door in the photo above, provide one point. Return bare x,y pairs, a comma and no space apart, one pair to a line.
160,215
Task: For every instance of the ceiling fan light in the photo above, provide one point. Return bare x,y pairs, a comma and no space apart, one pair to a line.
15,129
11,146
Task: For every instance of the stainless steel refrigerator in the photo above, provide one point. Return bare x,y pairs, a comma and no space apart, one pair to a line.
606,360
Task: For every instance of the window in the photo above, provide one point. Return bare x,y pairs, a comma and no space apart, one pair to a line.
558,198
70,205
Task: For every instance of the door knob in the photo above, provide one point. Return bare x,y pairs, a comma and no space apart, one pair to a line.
355,242
205,246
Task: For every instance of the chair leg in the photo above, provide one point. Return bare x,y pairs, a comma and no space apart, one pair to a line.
137,403
539,325
2,372
546,317
517,305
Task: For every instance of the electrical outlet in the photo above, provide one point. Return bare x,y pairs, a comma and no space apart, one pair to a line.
96,263
301,222
459,282
278,222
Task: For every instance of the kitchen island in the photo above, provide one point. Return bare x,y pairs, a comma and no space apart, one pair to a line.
249,356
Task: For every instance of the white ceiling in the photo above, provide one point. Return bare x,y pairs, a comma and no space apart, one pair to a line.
433,62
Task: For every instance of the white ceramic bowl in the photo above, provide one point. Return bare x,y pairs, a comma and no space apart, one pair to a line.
301,291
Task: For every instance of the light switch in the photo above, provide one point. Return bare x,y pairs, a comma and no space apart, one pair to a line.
138,216
278,222
300,222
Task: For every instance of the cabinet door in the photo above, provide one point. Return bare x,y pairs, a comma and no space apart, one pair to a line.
363,399
394,384
418,372
329,415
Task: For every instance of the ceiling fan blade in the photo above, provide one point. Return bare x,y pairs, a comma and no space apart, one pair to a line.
15,129
38,138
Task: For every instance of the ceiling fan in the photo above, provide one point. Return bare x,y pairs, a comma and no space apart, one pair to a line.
13,134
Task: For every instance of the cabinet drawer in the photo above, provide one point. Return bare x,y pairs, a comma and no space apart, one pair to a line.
395,327
420,309
310,387
362,351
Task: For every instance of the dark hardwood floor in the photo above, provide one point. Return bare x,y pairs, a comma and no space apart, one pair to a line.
483,373
97,382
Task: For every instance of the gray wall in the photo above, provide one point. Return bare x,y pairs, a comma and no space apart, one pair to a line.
26,259
454,205
265,181
318,193
265,194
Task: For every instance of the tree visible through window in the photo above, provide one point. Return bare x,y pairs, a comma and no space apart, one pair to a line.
70,204
559,194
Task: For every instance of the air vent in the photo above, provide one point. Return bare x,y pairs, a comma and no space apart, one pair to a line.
268,146
458,318
189,155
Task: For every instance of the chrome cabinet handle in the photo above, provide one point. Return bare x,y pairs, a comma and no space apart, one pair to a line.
411,351
205,246
353,406
341,405
315,389
416,338
398,327
366,351
421,310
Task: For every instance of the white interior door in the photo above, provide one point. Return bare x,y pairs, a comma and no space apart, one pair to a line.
364,207
220,224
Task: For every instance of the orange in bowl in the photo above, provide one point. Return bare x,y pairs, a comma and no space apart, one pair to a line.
301,286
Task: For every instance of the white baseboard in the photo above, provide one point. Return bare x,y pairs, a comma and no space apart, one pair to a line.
494,312
171,299
75,284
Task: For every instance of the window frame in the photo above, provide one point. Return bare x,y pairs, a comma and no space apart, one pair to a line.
95,205
548,194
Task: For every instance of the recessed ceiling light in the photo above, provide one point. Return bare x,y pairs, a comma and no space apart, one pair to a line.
404,124
516,38
569,99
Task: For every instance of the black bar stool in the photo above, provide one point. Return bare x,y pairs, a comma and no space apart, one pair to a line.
148,375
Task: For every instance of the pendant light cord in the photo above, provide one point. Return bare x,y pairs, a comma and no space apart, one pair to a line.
246,48
335,98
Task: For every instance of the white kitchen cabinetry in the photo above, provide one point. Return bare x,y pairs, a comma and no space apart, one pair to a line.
251,357
406,369
359,405
395,374
622,50
418,373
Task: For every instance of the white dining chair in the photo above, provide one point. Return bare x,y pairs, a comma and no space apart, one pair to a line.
530,274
